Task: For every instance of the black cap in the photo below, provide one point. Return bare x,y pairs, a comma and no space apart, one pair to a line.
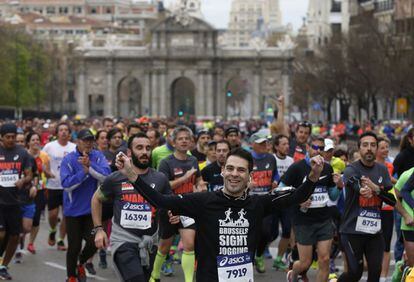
232,129
203,131
85,134
8,128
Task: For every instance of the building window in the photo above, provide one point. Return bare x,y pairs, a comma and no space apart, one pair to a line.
108,10
63,10
93,10
50,10
78,10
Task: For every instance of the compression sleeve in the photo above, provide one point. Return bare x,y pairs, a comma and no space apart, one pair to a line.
334,193
406,191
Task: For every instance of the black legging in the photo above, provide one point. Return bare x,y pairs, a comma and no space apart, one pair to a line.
40,202
267,235
355,247
78,229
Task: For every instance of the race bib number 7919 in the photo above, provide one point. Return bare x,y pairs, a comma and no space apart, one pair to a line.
234,268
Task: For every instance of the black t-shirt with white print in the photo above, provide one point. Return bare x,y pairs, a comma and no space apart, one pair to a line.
319,211
131,211
226,228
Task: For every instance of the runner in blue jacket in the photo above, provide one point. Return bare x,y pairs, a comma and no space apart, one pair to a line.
81,171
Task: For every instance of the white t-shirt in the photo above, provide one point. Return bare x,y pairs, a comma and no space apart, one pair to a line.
283,164
56,154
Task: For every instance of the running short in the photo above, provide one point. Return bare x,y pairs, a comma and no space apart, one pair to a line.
129,265
408,235
10,219
54,199
167,230
28,211
312,233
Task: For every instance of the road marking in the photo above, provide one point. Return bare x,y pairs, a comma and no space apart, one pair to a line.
58,266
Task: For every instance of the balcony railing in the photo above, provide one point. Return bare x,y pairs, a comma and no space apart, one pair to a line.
383,6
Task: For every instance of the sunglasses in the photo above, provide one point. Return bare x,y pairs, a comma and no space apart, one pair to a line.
318,148
304,124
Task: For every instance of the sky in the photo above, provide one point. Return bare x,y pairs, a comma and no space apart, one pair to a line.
217,11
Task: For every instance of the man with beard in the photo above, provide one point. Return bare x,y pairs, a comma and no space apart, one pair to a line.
212,173
200,151
135,223
15,174
366,183
297,145
80,173
228,221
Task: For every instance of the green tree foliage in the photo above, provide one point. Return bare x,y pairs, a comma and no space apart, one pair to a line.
24,68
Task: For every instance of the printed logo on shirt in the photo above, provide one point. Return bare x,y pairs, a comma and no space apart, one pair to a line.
178,171
233,233
267,166
380,179
126,186
152,185
16,157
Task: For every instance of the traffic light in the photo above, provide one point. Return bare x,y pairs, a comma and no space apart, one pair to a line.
180,113
229,94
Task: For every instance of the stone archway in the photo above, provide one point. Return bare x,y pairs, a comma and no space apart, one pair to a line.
129,97
237,93
182,97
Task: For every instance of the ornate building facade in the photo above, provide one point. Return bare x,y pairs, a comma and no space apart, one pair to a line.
182,71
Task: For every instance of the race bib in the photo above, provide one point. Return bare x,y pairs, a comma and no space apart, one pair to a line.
319,198
369,221
136,216
9,180
186,221
235,268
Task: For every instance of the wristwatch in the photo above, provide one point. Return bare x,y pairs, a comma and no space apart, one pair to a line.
96,229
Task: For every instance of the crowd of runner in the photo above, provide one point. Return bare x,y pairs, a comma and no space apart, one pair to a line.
211,196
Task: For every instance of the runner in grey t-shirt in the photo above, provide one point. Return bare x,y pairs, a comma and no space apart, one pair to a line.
135,227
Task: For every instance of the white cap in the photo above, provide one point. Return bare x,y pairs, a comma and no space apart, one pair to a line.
329,144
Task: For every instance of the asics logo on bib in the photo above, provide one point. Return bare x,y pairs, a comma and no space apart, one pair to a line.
129,206
229,260
368,213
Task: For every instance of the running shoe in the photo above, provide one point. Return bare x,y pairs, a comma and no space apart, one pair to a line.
278,264
81,273
289,276
102,259
177,257
267,253
4,274
52,238
90,268
260,265
18,257
72,279
332,276
154,280
61,246
166,268
31,248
